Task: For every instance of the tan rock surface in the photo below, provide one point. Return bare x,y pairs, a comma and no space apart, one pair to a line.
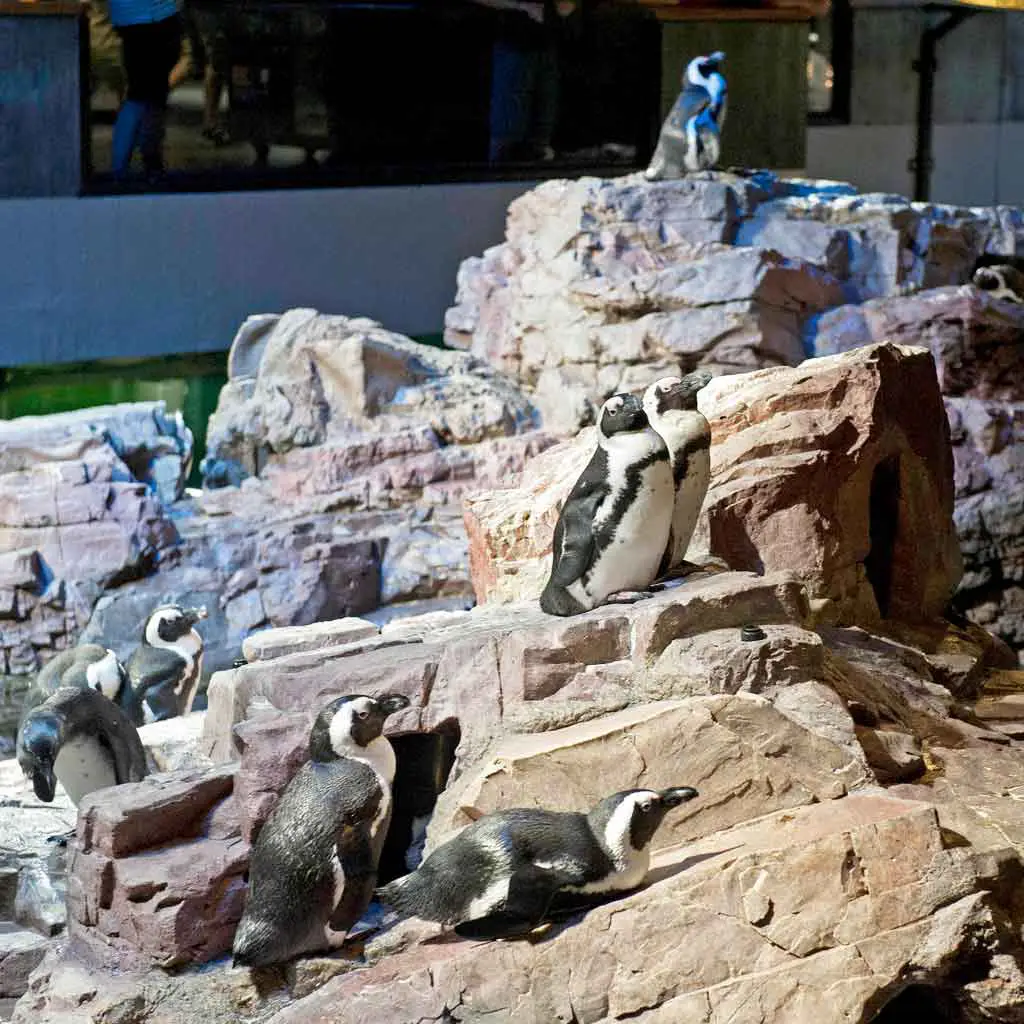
726,747
822,906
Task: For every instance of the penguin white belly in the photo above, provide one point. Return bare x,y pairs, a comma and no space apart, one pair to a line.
631,559
627,877
689,501
83,765
493,897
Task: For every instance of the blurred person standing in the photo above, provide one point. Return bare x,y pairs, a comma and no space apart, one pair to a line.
151,34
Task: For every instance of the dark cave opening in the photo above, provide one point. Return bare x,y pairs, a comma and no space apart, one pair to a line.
920,1003
883,523
423,762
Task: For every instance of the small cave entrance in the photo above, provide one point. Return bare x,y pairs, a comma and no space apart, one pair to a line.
922,1003
423,762
883,524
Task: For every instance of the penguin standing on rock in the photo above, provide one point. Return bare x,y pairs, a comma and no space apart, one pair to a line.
83,740
166,667
690,138
87,666
314,863
500,876
671,407
613,529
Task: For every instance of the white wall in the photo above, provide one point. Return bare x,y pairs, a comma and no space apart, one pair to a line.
975,164
148,275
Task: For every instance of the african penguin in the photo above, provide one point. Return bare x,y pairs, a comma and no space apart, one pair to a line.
690,138
1001,281
166,667
500,876
314,863
87,666
613,529
671,407
81,738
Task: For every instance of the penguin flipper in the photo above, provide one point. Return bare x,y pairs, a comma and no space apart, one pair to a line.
531,890
355,855
149,668
128,754
573,544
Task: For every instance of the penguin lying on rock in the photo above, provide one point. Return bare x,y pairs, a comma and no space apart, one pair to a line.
612,531
1001,276
81,738
500,876
87,666
690,138
314,863
671,407
166,667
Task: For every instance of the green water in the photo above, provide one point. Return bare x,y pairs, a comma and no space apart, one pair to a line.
190,383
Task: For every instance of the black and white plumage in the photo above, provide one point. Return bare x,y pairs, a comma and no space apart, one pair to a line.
1001,276
314,863
87,666
671,407
166,667
613,529
80,738
690,138
502,875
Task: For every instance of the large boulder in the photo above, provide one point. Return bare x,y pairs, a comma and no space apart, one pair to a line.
338,405
838,470
988,456
840,905
81,511
602,282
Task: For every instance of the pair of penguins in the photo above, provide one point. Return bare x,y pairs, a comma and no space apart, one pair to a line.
629,518
79,722
313,866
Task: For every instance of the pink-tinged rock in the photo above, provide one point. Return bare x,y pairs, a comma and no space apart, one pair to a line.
140,815
510,531
810,467
724,747
21,952
974,338
776,911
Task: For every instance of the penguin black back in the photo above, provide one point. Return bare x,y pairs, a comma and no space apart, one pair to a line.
81,738
501,875
314,863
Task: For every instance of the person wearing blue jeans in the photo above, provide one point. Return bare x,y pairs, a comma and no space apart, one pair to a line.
151,34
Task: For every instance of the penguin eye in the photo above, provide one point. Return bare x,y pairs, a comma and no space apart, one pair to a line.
645,805
362,714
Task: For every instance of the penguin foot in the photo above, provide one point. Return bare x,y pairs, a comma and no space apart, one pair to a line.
628,596
500,925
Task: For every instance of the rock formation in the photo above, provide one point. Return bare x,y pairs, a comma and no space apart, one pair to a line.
604,285
835,469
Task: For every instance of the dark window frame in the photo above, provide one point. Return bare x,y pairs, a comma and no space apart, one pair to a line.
841,56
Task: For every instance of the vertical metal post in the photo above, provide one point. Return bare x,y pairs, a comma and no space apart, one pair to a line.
926,66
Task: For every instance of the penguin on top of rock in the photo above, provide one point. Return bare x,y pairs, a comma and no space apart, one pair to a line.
690,138
503,875
1001,276
82,739
671,407
87,666
313,866
613,528
166,667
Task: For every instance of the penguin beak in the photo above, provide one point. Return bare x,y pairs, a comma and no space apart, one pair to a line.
717,57
44,782
392,702
677,796
684,394
195,614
